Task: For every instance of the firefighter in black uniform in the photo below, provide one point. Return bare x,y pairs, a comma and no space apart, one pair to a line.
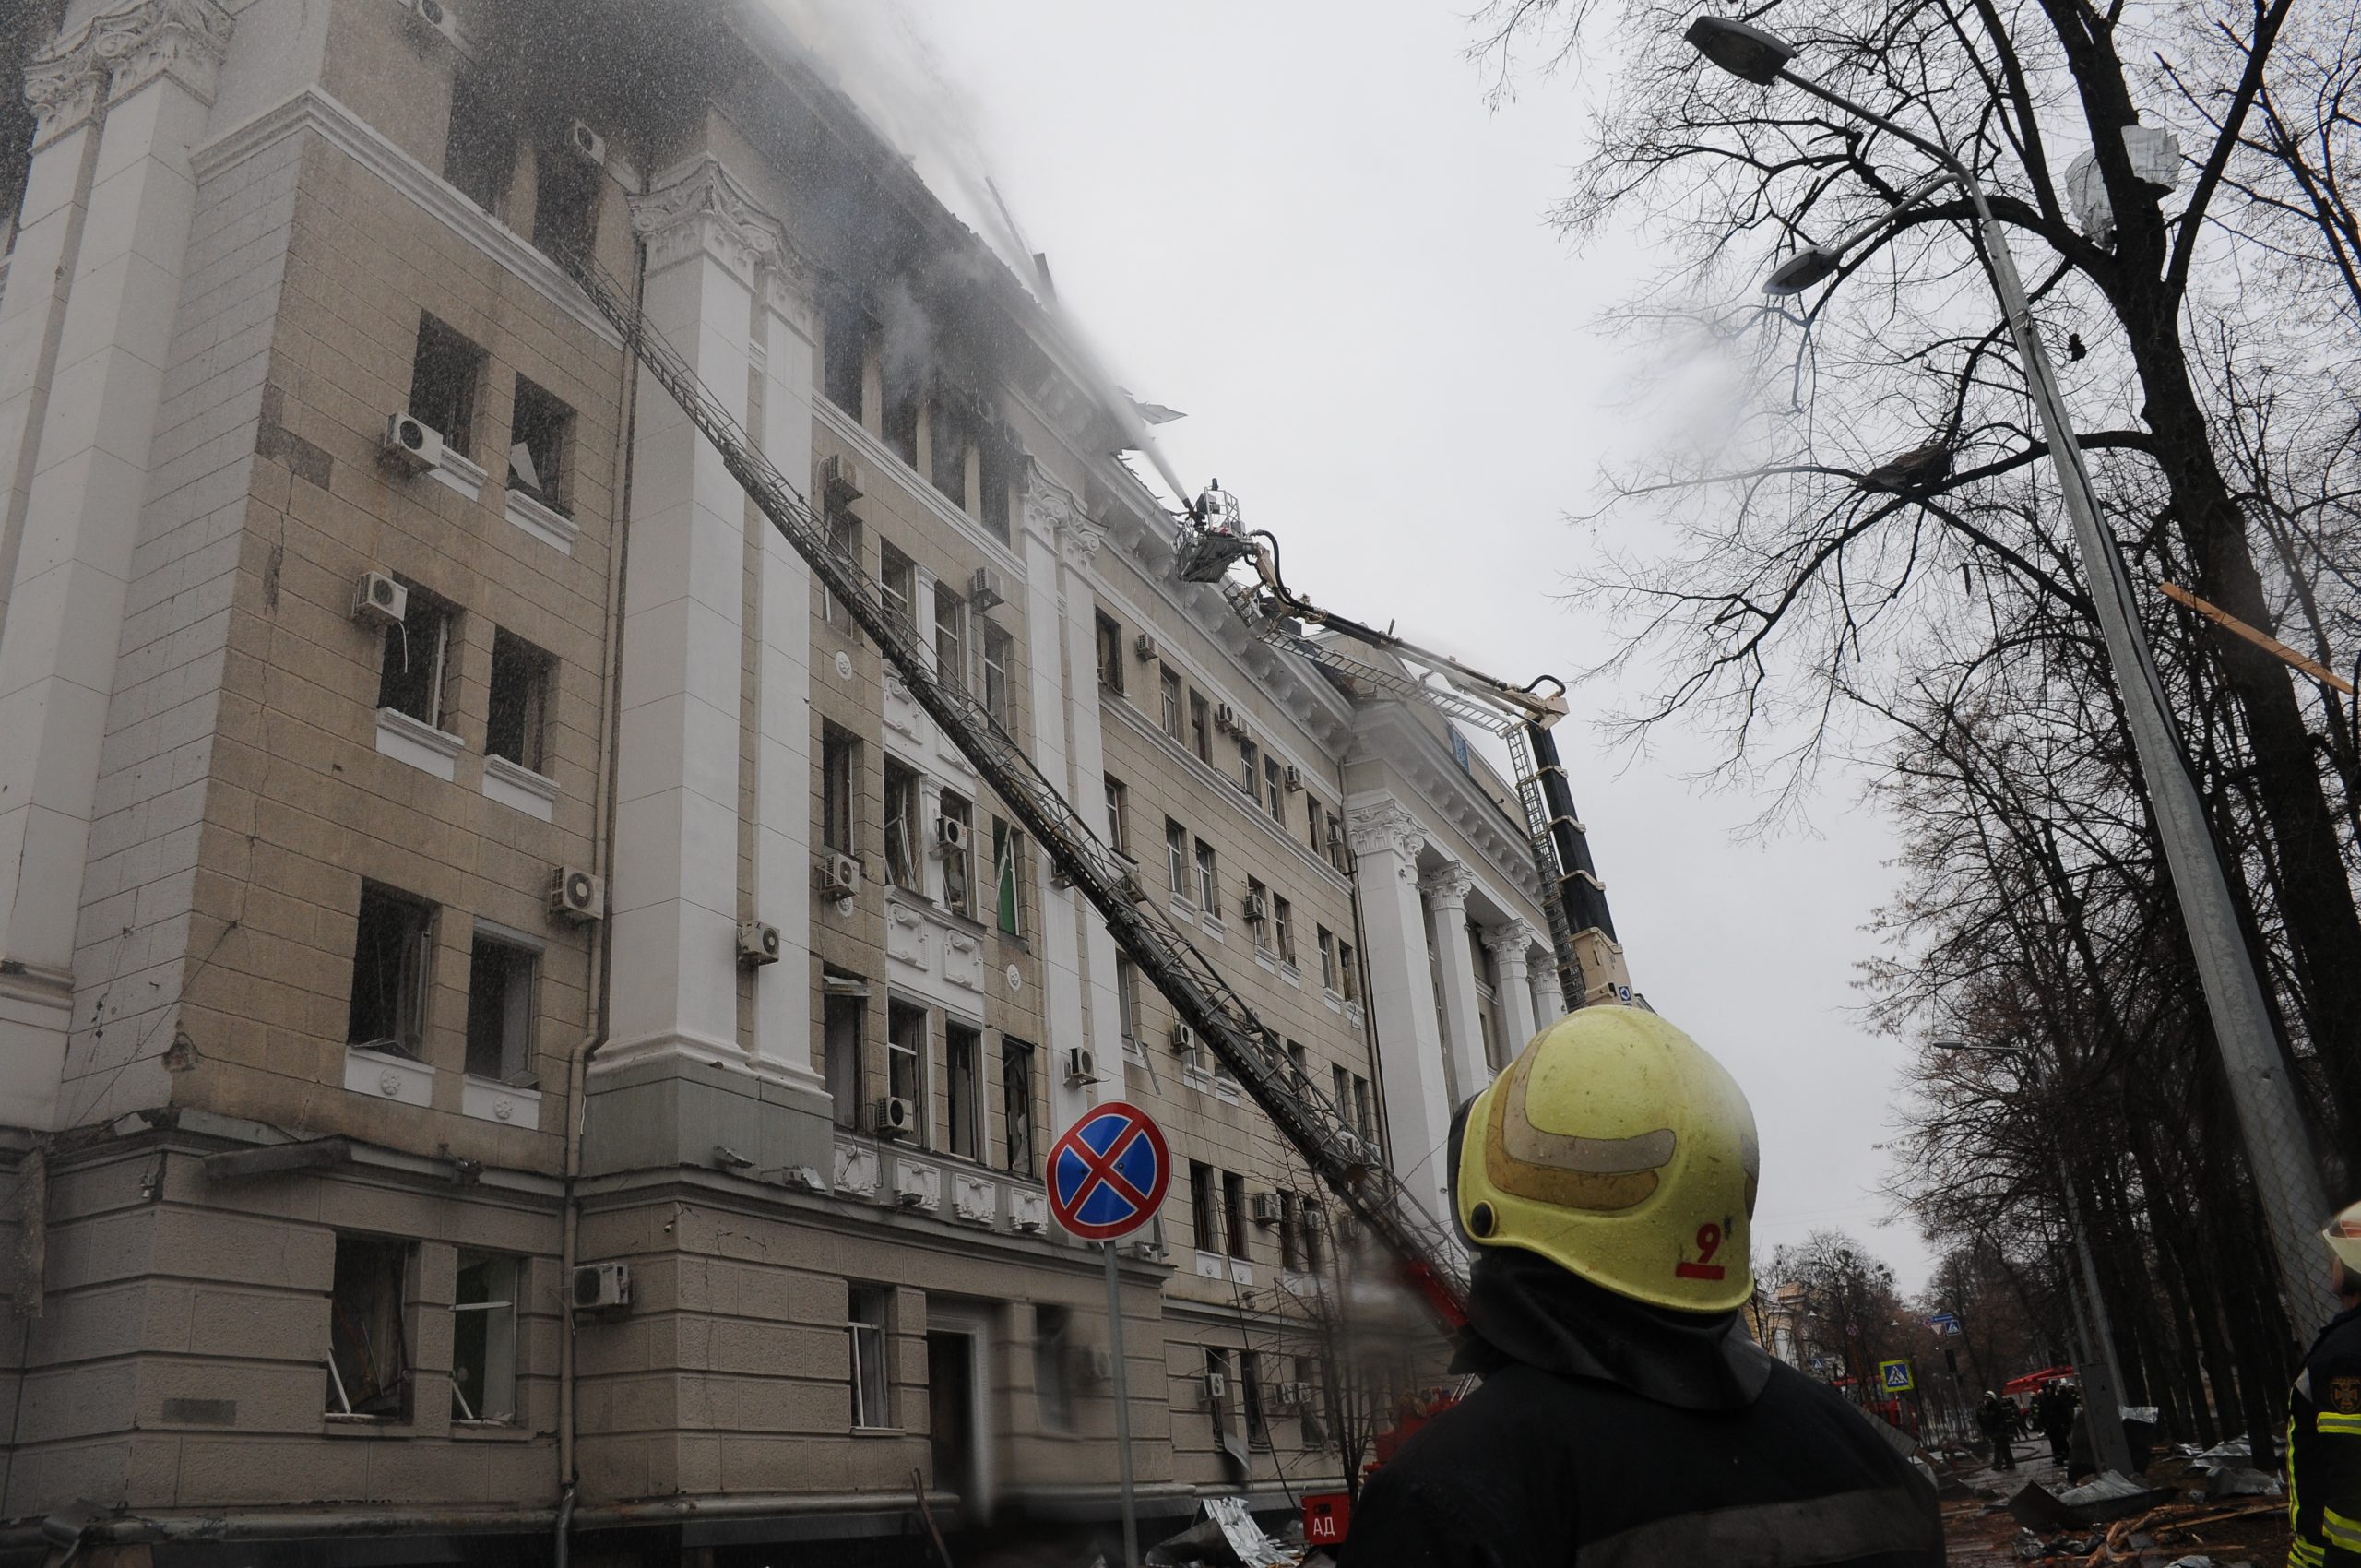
2324,1421
1625,1420
1994,1417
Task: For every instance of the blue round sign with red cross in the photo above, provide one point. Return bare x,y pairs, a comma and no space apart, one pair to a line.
1108,1172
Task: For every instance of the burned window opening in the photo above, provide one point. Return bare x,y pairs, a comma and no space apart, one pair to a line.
539,431
500,1010
444,376
392,952
369,1372
516,727
565,200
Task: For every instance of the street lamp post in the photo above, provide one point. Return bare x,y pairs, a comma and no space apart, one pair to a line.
2278,1151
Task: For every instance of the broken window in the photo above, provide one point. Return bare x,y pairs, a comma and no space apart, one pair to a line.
417,667
1233,1213
839,778
999,650
444,376
1016,1104
996,465
956,832
1283,928
1274,786
1327,958
903,387
518,726
483,1338
392,945
906,1054
1008,899
1205,1217
1169,695
1249,769
845,356
480,156
1111,653
950,635
565,200
1348,981
1258,914
897,584
844,1005
1208,879
1053,1354
368,1345
538,428
500,1009
1176,857
962,1050
1117,839
948,452
1311,825
1201,734
901,826
1253,1397
865,1328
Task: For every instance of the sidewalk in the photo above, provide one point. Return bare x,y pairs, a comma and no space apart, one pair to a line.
1980,1532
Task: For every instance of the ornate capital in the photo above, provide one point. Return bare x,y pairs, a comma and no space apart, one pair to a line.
1447,885
122,50
1512,943
1381,829
698,208
1052,512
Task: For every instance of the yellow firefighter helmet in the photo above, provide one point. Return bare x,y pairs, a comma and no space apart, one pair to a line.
1616,1148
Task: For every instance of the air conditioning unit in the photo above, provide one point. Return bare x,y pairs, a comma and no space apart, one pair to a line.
986,590
1254,909
841,480
839,876
601,1287
1266,1208
1082,1066
1336,835
897,1118
757,944
1225,718
1143,647
379,600
1184,1037
587,143
950,833
1295,778
575,894
411,443
436,15
1216,1387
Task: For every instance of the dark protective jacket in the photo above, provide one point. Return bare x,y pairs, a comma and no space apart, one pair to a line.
2324,1450
1610,1434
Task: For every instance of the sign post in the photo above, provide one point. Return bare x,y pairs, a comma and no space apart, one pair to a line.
1107,1176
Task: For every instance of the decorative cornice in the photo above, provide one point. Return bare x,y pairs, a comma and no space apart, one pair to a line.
121,51
1373,830
1448,886
1052,512
697,207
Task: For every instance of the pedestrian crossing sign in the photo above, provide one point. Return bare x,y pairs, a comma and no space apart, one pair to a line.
1895,1376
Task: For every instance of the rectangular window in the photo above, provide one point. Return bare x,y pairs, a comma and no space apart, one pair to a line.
368,1331
1250,1396
1317,840
1364,1114
500,1010
963,1053
1308,1222
483,1338
956,833
1208,879
1348,980
1327,959
995,468
1168,688
1000,651
839,784
480,156
1291,1233
1218,1367
1300,1063
1283,928
905,389
1176,857
1340,1082
896,585
1017,1106
902,826
518,726
1203,1210
1008,880
844,543
565,200
1118,839
845,356
1233,1213
1249,769
865,1330
393,950
950,635
415,677
540,429
1127,997
1338,855
1258,914
1111,653
905,1055
843,1012
1052,1352
1275,789
947,453
444,376
1201,728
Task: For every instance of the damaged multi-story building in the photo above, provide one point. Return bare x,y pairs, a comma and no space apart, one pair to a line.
517,1037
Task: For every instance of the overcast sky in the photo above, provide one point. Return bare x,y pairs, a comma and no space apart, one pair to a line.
1301,225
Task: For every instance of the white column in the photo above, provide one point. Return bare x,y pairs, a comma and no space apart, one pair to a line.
783,706
675,893
1386,840
1512,946
1548,996
1446,892
78,481
1048,581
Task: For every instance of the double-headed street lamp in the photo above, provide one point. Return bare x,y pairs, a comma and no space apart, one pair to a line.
2278,1151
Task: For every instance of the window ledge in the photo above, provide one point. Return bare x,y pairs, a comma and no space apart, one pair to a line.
877,1431
1353,1014
543,521
1212,1266
387,1076
1335,1003
519,788
461,474
336,1423
1290,974
487,1099
1268,964
1183,911
419,744
488,1432
1211,925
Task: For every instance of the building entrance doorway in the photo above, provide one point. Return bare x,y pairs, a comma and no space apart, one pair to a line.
950,1415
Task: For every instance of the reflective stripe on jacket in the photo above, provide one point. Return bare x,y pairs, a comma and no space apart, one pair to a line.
2324,1450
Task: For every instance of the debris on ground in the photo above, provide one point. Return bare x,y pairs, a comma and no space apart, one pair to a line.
2183,1530
1224,1535
2112,1496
